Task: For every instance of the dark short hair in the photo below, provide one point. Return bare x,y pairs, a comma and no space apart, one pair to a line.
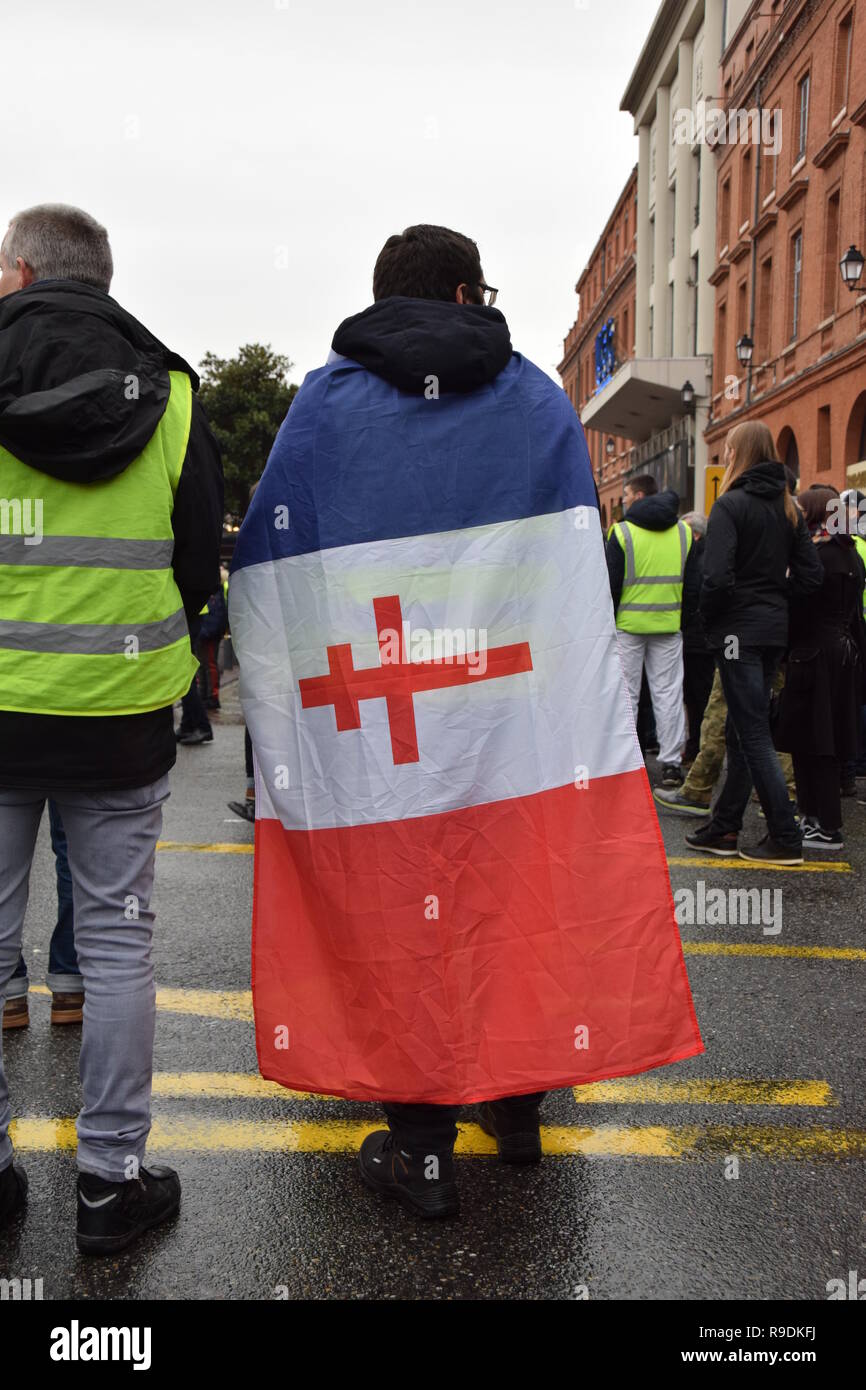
823,487
644,482
426,262
814,503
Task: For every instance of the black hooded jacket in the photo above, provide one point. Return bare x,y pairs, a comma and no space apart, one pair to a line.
414,342
754,561
65,352
656,513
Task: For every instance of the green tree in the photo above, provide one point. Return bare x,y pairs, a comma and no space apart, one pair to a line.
246,398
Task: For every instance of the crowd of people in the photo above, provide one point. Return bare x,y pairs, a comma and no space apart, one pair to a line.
470,485
749,629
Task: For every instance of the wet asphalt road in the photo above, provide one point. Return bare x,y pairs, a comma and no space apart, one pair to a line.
256,1223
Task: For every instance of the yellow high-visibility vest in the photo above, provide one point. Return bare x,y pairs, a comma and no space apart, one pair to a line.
91,618
652,591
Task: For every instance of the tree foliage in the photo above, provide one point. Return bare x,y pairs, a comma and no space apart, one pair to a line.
245,398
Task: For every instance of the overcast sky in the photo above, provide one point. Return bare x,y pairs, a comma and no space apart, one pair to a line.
249,157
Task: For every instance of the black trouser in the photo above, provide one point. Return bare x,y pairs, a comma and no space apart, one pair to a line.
698,671
248,752
752,759
646,719
194,713
433,1128
818,789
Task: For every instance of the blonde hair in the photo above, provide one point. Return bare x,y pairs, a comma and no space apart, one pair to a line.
751,443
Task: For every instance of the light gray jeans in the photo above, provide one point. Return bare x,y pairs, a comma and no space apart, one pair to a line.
112,839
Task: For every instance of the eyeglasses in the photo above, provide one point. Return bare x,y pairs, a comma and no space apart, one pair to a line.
489,294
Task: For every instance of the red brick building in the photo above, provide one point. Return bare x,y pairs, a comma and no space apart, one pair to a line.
602,337
784,220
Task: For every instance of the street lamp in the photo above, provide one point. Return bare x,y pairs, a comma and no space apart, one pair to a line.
610,447
687,395
851,266
745,348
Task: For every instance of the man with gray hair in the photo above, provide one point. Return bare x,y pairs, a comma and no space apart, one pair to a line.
110,524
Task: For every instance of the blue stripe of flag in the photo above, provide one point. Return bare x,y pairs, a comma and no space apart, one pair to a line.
357,460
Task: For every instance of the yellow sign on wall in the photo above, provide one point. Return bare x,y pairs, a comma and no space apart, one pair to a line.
713,475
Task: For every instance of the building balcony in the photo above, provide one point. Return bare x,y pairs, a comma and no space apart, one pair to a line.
644,395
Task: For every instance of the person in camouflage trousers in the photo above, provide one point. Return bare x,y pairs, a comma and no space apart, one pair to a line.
694,796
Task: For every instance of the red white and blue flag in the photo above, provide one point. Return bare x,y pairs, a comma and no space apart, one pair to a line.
461,890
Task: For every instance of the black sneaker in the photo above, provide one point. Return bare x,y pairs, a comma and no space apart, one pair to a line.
672,775
111,1215
13,1192
196,736
677,800
422,1182
815,837
516,1130
711,841
767,851
245,809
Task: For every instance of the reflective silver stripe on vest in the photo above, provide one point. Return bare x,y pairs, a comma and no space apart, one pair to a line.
91,639
86,552
649,608
631,574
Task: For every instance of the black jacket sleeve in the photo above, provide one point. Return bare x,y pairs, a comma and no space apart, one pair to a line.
720,555
615,568
197,519
692,586
805,571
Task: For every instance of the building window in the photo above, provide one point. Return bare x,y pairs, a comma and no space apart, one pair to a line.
823,461
803,109
725,215
831,255
746,187
742,308
651,318
763,346
768,168
721,346
843,62
603,252
695,284
652,237
626,345
796,278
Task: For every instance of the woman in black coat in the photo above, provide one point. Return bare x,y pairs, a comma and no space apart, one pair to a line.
819,708
758,555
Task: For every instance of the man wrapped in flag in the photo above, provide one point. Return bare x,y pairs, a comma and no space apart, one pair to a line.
461,892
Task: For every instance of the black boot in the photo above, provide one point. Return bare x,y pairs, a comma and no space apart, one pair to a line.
515,1128
111,1215
13,1192
422,1182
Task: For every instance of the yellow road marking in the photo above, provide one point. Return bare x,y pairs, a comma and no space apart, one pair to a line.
648,1090
813,866
764,948
636,1091
216,848
185,1133
207,1003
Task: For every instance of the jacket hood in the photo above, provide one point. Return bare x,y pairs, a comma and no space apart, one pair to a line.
407,341
83,384
656,513
763,480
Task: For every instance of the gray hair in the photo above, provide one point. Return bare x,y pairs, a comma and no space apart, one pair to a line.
60,242
697,522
